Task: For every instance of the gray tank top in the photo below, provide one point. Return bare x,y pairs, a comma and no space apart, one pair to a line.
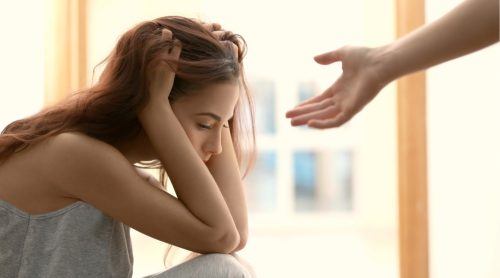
75,241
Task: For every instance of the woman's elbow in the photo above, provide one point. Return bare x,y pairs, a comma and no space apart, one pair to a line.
226,243
242,241
233,242
229,242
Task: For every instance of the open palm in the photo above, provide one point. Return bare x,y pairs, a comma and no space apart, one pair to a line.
358,85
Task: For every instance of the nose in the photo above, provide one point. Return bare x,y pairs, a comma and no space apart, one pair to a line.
213,145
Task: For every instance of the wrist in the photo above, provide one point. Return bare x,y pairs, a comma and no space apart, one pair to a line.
384,62
152,109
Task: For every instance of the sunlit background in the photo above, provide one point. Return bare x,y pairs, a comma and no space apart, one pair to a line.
322,203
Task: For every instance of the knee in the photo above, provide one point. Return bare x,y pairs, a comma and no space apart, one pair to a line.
228,265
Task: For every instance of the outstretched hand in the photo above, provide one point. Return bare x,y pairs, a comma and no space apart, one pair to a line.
359,83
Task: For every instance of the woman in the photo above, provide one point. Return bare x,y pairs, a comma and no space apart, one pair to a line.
171,96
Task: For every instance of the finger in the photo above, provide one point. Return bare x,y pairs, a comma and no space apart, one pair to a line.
337,121
175,53
309,108
216,26
212,26
326,113
232,46
208,25
218,34
328,93
313,99
329,57
166,34
222,34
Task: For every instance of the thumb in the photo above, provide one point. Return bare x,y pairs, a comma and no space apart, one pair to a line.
328,57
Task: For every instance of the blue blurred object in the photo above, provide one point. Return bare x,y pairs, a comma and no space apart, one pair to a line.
261,183
306,91
343,180
265,101
304,164
322,180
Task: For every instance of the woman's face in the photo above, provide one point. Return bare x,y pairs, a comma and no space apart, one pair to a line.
204,113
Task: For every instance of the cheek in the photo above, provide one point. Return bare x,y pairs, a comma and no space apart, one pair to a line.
190,130
195,136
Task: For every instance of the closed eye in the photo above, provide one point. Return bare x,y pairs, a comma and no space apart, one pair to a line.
204,126
210,127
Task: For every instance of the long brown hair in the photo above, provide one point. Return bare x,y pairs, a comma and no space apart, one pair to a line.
108,110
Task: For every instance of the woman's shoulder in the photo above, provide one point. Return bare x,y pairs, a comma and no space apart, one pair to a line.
74,138
74,151
72,145
51,163
74,159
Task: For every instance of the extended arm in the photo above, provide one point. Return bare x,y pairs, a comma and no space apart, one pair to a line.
469,27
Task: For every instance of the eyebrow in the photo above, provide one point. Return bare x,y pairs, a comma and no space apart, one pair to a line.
210,114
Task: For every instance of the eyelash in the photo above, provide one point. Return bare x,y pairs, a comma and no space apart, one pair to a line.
209,127
204,126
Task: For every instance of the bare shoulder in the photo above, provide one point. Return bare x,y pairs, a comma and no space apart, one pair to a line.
74,143
73,156
88,150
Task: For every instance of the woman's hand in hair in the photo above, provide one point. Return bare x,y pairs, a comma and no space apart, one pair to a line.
211,27
162,77
221,35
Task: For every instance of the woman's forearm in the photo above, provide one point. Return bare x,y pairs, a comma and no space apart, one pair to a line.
193,183
225,170
470,26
